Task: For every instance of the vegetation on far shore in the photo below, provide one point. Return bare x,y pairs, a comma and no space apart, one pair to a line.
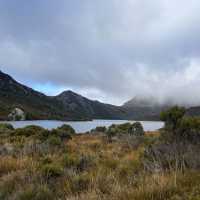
120,162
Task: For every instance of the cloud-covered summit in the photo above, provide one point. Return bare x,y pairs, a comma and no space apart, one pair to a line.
108,50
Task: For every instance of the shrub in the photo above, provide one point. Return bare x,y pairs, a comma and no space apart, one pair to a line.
28,193
136,129
80,183
46,160
8,186
54,140
172,156
6,126
70,160
101,129
40,193
61,133
111,132
23,132
124,128
172,117
43,193
27,131
43,135
51,170
67,128
189,129
179,127
6,129
85,162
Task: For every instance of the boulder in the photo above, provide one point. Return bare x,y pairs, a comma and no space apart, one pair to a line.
17,115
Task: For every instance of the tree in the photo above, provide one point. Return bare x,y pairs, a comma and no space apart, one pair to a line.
172,117
136,129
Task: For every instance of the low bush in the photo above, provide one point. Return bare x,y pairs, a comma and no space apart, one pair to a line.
54,140
27,131
85,162
67,128
23,132
70,160
99,129
172,156
6,126
61,133
136,129
39,193
51,170
6,129
80,183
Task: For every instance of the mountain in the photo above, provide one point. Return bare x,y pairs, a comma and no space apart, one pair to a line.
15,98
35,104
92,109
144,108
66,106
149,108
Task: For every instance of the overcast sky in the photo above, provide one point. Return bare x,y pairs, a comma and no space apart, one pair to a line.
106,50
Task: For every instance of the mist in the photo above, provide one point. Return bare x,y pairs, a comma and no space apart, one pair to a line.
107,50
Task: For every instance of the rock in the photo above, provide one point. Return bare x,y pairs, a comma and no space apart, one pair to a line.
17,115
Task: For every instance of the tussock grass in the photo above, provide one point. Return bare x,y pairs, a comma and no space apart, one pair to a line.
88,167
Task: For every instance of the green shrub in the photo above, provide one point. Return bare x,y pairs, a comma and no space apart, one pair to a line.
70,160
80,183
189,129
28,131
172,117
40,193
61,133
6,129
28,193
101,129
46,160
111,132
85,162
179,127
51,170
43,193
67,128
124,128
43,135
34,128
6,126
54,140
136,129
24,132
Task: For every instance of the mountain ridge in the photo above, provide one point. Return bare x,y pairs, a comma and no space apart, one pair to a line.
66,106
69,105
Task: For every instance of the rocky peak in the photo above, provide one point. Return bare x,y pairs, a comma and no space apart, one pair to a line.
6,78
68,93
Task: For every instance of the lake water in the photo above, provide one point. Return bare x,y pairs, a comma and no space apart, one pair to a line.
84,126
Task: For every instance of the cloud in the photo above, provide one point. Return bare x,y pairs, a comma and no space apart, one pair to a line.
108,50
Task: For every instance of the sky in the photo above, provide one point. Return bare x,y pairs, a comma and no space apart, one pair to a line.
107,50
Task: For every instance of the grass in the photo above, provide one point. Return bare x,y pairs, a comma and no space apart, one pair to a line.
87,167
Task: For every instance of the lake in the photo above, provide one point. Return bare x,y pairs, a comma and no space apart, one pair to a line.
84,126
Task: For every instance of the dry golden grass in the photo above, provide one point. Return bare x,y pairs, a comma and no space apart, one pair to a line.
88,167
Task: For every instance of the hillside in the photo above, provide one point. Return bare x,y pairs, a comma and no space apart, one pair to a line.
35,104
92,109
72,106
66,106
144,108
